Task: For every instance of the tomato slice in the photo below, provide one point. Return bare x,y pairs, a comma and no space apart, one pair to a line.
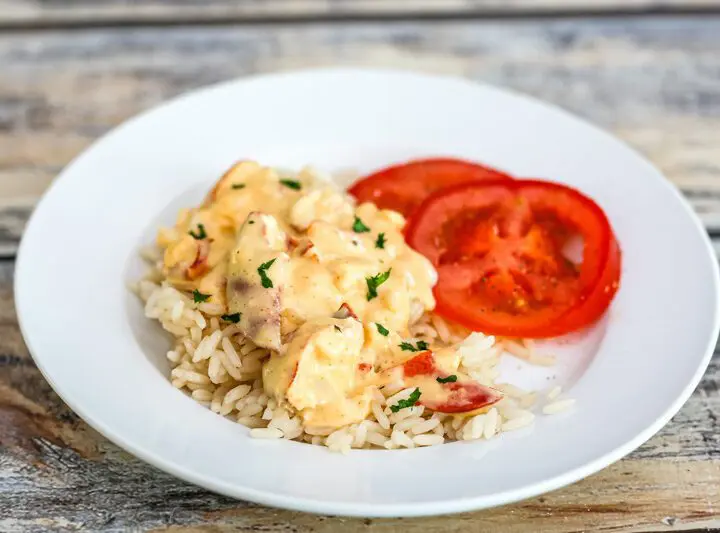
500,251
403,187
593,305
462,395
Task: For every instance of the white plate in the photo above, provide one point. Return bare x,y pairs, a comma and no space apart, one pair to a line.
90,340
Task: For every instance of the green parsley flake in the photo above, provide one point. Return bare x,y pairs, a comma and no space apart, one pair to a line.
199,297
337,328
408,347
449,379
403,404
373,282
266,281
359,226
382,330
200,235
237,186
292,184
380,242
234,318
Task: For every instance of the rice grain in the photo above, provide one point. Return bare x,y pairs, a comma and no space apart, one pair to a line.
554,392
220,368
558,407
428,440
266,433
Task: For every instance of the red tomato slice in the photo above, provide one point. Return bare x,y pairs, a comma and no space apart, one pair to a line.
499,250
404,187
460,396
594,304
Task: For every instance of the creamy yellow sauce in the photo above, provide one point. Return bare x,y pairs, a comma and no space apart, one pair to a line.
318,374
329,263
286,256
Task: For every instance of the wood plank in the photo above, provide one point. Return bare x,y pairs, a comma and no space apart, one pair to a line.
57,473
653,81
24,13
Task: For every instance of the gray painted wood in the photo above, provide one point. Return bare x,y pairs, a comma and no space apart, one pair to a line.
655,82
57,473
44,13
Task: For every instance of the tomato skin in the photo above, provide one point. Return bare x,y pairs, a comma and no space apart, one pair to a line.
575,302
463,396
403,187
595,303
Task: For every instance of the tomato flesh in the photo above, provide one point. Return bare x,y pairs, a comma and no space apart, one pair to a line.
460,396
499,251
404,187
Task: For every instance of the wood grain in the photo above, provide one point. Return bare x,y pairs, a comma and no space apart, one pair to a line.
57,473
653,81
44,13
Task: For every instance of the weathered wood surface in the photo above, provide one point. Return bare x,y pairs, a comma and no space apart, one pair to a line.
24,13
56,473
654,81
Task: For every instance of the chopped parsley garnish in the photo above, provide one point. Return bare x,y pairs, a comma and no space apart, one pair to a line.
403,404
200,235
382,330
380,242
251,222
337,328
292,184
408,347
373,282
234,318
199,297
359,226
266,281
237,186
449,379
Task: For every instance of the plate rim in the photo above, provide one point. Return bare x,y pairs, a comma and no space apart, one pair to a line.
318,506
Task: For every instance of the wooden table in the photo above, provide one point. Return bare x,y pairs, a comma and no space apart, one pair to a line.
647,70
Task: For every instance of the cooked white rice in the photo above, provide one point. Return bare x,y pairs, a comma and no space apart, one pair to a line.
221,369
558,406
